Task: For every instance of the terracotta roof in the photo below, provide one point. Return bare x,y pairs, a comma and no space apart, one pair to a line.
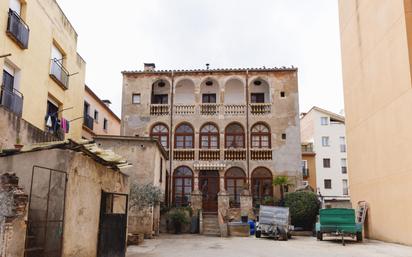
332,114
105,157
263,69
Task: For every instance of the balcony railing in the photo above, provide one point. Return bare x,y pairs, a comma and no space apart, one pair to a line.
209,154
260,108
343,148
11,100
59,74
235,154
305,172
184,109
209,109
184,154
88,121
345,191
159,109
307,148
261,154
235,109
18,30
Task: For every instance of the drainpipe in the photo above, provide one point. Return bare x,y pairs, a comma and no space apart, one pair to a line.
171,145
247,129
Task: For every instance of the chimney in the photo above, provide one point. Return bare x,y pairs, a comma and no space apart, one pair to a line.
107,102
149,67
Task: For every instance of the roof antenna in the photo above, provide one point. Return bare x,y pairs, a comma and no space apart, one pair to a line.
207,66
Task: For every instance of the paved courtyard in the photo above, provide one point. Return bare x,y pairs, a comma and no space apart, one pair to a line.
201,246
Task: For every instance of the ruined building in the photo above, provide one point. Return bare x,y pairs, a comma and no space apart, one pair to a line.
225,130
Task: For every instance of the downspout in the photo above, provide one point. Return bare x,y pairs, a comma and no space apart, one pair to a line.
247,130
170,140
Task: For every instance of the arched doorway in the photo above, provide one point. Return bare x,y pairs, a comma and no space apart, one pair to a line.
261,184
182,186
209,186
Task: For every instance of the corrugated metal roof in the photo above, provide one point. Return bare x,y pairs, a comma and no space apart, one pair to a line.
106,157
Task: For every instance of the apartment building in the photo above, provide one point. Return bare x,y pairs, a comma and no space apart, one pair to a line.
225,130
376,40
98,118
42,74
324,131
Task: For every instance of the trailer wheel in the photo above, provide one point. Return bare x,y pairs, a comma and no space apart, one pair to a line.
359,236
319,235
289,235
258,234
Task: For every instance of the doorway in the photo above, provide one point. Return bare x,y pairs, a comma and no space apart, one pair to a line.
209,186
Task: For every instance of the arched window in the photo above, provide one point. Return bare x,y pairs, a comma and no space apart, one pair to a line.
260,136
235,179
161,132
209,137
234,136
184,136
182,186
261,184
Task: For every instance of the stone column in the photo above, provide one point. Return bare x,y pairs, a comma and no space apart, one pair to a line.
196,201
246,204
223,202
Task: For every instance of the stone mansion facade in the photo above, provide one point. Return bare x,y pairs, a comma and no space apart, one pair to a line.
223,129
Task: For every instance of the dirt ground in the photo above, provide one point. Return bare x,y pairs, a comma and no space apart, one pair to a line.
202,246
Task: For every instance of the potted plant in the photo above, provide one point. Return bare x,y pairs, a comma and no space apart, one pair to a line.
178,218
18,144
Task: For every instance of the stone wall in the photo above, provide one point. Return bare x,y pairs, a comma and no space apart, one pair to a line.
13,211
13,128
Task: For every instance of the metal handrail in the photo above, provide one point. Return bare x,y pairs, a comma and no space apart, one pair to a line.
18,29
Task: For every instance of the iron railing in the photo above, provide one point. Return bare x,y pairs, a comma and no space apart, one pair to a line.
59,74
88,121
12,100
307,148
344,170
305,172
18,30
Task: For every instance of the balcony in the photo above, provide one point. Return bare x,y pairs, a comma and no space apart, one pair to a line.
260,108
18,30
59,74
12,100
184,109
184,154
343,148
209,109
209,154
235,109
261,154
307,148
305,172
235,154
88,121
159,109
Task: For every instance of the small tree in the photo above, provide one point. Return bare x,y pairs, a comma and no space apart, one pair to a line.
284,183
304,207
144,195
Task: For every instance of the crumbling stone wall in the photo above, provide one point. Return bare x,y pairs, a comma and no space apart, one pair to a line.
13,211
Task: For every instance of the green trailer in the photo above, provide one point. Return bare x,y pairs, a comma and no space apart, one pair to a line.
338,222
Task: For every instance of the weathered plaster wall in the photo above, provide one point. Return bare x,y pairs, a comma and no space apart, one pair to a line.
13,127
86,180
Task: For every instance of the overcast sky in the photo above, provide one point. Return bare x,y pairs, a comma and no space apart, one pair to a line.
184,34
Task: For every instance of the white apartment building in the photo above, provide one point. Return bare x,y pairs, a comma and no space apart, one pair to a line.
326,131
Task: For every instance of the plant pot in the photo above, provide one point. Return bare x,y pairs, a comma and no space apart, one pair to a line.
18,146
244,219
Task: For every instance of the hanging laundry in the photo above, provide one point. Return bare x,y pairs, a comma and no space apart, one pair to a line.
63,124
67,126
49,121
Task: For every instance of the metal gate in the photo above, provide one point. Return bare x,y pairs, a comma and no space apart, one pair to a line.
44,236
113,225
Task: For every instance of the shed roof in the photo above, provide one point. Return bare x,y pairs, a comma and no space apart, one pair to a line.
105,157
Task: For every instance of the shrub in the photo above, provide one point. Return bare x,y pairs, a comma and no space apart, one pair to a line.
178,217
304,207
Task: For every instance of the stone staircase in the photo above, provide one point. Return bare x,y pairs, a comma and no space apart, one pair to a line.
211,225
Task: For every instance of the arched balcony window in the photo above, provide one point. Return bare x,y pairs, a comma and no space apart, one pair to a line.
262,185
235,179
160,92
182,186
260,136
209,137
234,136
161,132
259,91
184,136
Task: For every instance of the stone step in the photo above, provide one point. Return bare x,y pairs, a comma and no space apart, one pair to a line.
211,225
